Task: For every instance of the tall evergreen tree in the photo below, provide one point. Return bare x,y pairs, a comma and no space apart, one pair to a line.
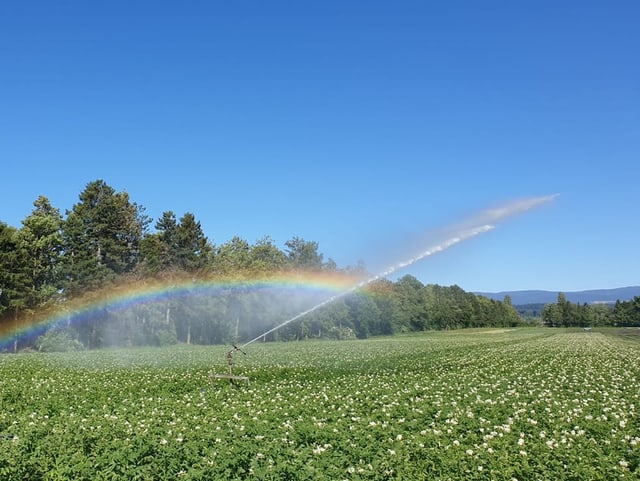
160,250
15,286
551,315
193,248
9,262
39,242
102,235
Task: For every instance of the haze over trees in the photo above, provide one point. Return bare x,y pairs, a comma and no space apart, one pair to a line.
106,242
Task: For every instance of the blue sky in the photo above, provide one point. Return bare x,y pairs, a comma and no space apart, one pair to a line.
357,125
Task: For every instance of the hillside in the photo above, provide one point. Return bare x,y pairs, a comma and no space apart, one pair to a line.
580,297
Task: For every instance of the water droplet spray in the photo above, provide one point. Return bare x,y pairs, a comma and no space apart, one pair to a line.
474,226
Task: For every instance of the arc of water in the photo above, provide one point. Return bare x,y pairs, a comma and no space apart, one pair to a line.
483,222
459,237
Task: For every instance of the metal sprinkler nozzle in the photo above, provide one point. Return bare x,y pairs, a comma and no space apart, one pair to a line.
230,376
236,348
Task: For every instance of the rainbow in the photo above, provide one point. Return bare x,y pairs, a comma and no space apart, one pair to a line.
125,295
129,294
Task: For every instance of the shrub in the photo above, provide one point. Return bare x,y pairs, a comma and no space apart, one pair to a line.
58,341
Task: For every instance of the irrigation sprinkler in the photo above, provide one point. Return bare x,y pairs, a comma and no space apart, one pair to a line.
230,363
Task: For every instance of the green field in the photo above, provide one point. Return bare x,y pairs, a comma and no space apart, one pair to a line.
523,404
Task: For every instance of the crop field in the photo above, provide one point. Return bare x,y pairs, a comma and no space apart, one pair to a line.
526,404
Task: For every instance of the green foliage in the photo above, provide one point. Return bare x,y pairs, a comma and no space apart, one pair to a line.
57,340
303,254
266,257
468,404
627,313
102,236
193,249
39,243
566,314
166,338
9,284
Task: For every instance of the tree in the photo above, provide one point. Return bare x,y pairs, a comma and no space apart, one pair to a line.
176,245
507,300
462,307
363,312
193,248
102,236
233,257
551,315
7,267
443,309
265,257
303,255
627,313
602,315
381,291
40,244
14,281
159,251
154,257
410,312
566,311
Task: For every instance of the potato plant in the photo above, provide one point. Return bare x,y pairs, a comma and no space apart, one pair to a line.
508,405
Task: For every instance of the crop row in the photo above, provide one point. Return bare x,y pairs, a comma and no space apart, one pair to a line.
529,404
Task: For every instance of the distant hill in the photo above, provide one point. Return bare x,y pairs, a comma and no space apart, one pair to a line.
577,297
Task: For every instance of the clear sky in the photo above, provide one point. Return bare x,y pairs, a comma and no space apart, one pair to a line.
354,124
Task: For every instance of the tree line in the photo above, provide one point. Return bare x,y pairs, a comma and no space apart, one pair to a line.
567,314
105,240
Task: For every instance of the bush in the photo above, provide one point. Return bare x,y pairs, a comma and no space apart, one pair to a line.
166,338
58,341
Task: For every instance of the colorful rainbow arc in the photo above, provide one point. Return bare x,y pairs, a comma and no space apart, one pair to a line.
129,295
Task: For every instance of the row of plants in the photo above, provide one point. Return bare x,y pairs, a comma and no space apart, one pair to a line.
470,404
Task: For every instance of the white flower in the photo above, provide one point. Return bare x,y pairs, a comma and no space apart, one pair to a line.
319,450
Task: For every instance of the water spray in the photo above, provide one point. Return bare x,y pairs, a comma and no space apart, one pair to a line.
476,225
459,237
